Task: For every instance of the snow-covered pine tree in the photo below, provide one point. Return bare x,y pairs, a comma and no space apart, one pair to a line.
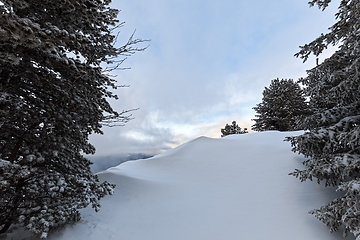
53,93
232,129
332,138
283,101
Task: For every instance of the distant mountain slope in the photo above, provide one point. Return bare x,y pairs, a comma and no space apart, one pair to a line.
101,163
233,188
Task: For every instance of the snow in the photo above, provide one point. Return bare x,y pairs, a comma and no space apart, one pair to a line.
236,187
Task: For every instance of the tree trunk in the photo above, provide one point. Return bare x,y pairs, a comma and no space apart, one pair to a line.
10,216
5,227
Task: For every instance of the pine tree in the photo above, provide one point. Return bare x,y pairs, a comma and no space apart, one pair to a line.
282,103
232,129
53,94
332,140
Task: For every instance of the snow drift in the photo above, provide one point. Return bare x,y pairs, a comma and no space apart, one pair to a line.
235,187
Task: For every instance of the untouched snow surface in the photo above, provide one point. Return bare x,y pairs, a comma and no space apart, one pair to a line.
231,188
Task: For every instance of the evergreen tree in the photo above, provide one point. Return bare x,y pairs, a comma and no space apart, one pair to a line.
232,129
283,101
332,140
53,94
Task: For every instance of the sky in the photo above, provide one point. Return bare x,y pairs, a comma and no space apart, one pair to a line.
206,65
232,188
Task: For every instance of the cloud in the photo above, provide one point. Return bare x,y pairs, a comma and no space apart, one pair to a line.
207,65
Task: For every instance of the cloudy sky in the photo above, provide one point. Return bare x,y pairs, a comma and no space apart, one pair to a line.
206,65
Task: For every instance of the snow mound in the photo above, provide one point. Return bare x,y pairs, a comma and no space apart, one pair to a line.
236,187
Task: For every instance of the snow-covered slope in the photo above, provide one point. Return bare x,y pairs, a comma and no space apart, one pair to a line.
236,187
